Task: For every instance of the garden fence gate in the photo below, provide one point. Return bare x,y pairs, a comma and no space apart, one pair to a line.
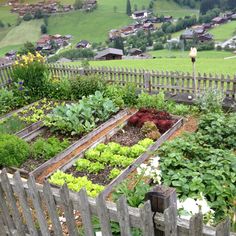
150,81
27,208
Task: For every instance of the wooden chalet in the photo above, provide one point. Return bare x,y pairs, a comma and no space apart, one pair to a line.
109,54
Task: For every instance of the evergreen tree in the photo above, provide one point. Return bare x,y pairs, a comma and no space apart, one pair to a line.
128,8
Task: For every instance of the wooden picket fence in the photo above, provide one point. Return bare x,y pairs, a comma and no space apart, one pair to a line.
150,81
27,208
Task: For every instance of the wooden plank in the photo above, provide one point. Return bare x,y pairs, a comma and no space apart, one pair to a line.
142,158
85,212
196,225
146,218
68,209
134,213
12,202
5,211
52,209
223,229
170,217
2,227
38,206
20,191
123,216
103,216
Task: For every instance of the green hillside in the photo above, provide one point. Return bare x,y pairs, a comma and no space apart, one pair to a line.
224,31
26,31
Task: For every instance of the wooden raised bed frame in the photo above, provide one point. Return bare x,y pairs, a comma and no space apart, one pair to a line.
134,165
68,152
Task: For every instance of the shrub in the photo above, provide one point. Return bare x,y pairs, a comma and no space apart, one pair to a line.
86,85
13,150
59,88
7,100
30,72
210,101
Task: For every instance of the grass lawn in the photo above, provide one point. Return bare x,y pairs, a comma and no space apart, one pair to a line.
164,7
224,31
93,26
26,31
203,65
6,16
6,49
184,54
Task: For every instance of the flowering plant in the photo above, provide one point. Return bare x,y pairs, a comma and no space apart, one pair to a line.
191,206
30,70
151,170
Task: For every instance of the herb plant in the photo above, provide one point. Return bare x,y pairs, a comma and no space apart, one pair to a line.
13,150
47,148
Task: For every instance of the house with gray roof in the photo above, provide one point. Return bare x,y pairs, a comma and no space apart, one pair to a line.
109,54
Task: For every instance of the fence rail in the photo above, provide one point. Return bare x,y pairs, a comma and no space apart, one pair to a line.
148,80
27,208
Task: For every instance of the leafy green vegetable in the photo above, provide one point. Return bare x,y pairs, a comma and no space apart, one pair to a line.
75,184
82,117
47,148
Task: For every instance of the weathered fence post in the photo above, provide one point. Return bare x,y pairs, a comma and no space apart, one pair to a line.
147,82
161,198
234,87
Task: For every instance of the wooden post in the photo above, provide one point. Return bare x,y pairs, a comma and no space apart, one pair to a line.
147,82
161,198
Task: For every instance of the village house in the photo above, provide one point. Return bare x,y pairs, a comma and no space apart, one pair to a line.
109,54
46,8
135,52
140,14
188,34
168,18
89,4
127,30
205,37
11,55
219,20
113,34
148,26
83,44
198,29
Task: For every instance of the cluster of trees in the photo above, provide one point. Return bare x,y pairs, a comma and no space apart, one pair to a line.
181,24
190,3
207,5
73,54
39,14
44,26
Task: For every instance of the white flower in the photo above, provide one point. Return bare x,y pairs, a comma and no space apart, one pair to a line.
193,53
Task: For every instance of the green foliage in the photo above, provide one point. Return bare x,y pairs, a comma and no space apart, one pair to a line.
129,94
116,94
159,102
82,117
59,88
7,101
32,76
148,127
82,164
78,4
114,173
135,195
13,150
11,125
128,8
76,184
86,85
218,130
90,167
48,148
115,155
210,101
73,54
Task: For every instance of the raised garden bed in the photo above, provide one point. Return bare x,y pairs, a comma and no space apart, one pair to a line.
77,144
128,136
26,119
